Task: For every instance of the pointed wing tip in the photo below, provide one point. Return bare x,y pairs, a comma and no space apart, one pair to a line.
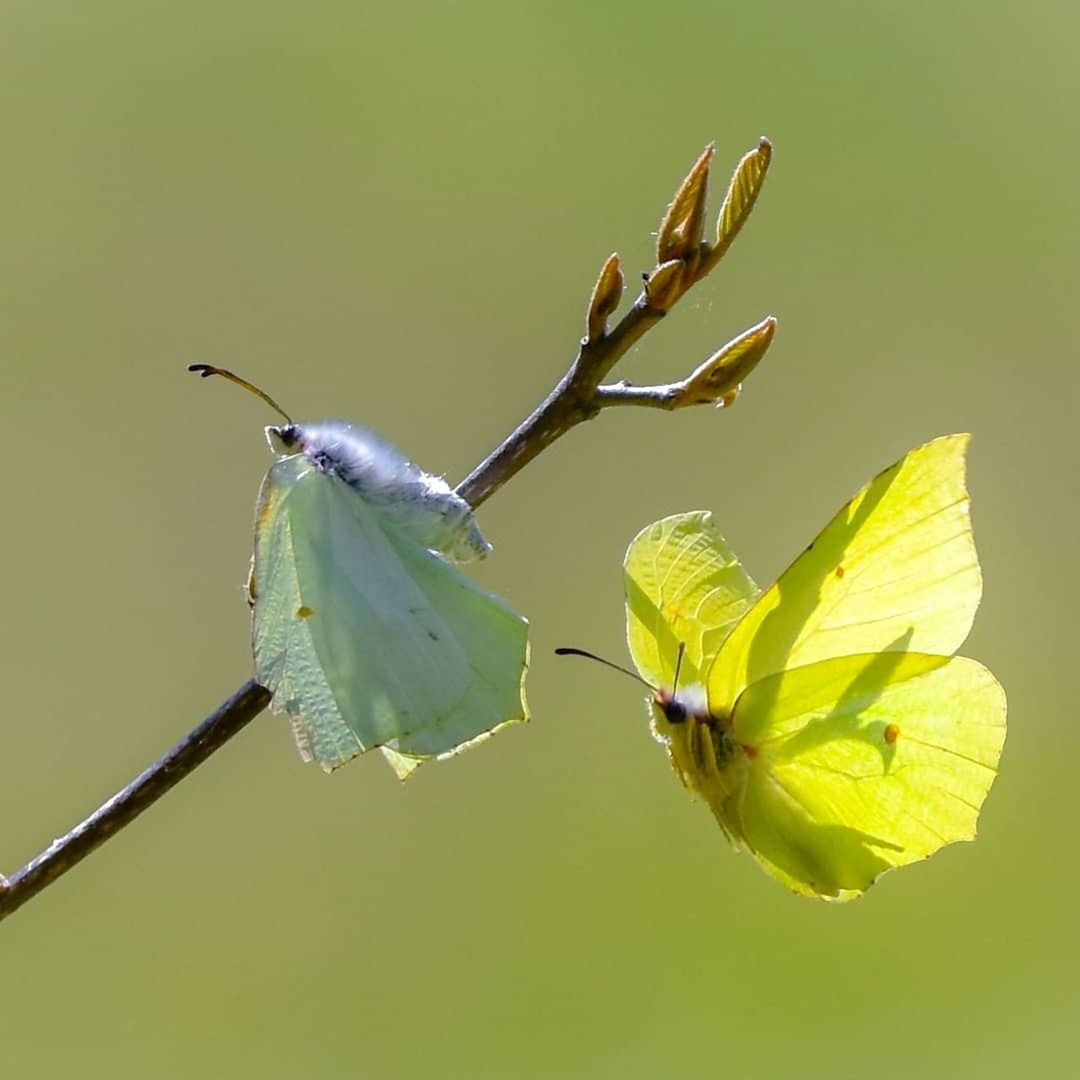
956,443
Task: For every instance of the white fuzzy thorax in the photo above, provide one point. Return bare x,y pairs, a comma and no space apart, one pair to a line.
421,505
694,698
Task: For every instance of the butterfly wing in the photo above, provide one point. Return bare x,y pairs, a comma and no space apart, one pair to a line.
895,570
864,763
494,640
685,586
357,647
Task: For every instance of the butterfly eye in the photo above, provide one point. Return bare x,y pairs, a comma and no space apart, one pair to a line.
674,711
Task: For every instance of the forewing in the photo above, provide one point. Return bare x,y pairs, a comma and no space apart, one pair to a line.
350,645
864,763
896,570
684,585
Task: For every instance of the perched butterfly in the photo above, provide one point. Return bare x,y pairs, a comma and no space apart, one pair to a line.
825,721
363,631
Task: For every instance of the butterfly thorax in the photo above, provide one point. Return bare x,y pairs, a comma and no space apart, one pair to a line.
704,752
421,505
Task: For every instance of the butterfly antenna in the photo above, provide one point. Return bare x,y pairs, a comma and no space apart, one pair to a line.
678,667
567,651
206,370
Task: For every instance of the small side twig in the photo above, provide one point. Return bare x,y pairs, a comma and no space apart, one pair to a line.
716,381
684,257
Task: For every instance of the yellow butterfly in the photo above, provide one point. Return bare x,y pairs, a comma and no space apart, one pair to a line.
825,721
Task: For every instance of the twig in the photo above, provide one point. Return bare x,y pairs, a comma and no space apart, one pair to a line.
683,259
128,803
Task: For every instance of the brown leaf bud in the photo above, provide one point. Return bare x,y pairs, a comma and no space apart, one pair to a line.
722,374
665,285
679,235
606,294
741,195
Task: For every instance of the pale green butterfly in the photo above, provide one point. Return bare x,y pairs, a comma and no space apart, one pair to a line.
363,631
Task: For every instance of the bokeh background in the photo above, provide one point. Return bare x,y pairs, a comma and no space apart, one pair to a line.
394,213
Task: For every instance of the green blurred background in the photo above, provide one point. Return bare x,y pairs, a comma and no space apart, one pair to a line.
394,213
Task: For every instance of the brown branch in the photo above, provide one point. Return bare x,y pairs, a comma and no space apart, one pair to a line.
128,803
572,401
684,259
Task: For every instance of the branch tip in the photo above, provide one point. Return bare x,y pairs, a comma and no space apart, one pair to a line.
742,193
680,232
724,372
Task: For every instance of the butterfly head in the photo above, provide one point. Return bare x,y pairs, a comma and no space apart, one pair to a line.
682,703
285,438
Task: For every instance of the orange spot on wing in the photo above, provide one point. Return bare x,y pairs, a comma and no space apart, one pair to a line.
304,612
839,571
892,733
265,510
